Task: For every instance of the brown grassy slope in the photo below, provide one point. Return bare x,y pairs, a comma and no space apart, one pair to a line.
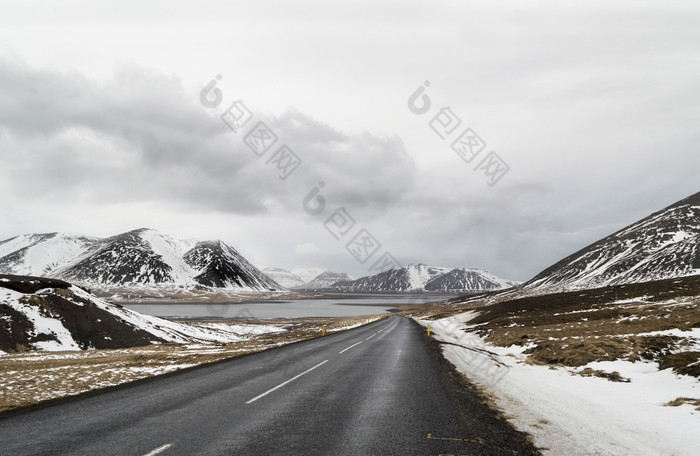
575,328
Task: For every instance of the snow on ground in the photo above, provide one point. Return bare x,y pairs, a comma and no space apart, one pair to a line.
172,251
574,415
42,324
165,330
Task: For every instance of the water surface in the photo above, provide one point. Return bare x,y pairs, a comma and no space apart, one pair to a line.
349,305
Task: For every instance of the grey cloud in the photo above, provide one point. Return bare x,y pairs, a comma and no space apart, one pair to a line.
593,106
140,137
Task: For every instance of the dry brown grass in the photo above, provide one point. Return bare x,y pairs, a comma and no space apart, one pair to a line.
684,400
29,378
578,327
612,376
578,334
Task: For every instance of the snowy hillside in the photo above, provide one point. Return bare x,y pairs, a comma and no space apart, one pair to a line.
307,274
324,280
420,277
141,256
408,278
48,314
468,280
664,245
40,254
286,278
219,265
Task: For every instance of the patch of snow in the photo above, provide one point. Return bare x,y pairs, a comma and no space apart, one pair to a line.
163,329
420,274
307,274
578,311
677,237
575,415
42,325
178,332
172,251
631,300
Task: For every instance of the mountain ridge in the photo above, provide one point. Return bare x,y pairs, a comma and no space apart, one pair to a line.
665,244
324,280
38,313
421,277
142,256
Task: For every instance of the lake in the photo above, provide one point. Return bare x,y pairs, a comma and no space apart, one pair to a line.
349,305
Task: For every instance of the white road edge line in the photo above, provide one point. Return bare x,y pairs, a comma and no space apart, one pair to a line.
282,384
159,450
353,345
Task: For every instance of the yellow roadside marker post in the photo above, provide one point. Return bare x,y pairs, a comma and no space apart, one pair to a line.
428,328
323,330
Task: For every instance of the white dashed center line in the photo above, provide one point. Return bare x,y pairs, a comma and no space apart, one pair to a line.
282,384
353,345
159,450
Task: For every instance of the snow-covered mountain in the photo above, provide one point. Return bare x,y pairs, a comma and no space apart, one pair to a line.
41,254
468,280
308,274
50,314
142,256
284,277
220,265
417,277
408,278
663,245
324,281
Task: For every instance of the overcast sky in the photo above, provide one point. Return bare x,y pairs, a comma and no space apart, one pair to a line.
594,108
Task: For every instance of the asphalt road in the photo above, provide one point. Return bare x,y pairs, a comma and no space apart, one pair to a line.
381,389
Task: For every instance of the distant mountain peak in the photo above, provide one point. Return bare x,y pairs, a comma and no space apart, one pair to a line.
664,245
472,280
325,280
141,256
284,277
422,277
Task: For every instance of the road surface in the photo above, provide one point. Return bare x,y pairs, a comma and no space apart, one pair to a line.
381,389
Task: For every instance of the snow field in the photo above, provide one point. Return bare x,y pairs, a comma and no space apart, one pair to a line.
574,415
